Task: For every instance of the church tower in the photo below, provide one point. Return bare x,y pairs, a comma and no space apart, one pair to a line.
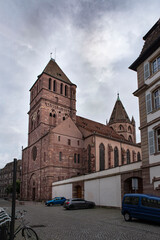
52,100
120,122
55,147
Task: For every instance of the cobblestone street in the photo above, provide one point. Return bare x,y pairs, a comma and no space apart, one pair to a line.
56,223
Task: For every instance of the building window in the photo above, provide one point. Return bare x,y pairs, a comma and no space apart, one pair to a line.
78,142
102,156
54,86
59,138
129,129
60,156
158,139
121,128
78,158
146,71
66,90
156,97
75,158
151,142
34,153
49,84
69,141
155,65
44,156
130,139
149,103
138,156
116,157
61,89
128,156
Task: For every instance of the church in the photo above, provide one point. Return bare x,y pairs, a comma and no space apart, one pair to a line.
63,146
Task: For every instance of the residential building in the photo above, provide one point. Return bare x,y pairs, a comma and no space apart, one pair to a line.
147,66
6,177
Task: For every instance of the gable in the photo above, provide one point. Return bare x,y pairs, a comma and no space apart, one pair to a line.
68,128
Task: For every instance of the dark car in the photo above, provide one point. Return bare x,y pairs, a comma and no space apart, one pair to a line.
77,203
56,200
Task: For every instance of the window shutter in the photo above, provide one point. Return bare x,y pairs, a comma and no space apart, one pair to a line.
148,103
151,142
146,71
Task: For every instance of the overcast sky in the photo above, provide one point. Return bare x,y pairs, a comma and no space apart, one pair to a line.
95,41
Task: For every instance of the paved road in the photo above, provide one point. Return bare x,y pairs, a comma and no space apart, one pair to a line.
56,223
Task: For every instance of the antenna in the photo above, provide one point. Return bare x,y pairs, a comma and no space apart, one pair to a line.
50,55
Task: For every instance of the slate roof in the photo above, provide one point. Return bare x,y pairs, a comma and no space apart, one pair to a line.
95,127
151,36
152,42
54,70
119,113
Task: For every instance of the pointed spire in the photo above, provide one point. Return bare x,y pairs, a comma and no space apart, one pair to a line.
53,70
133,121
119,113
118,99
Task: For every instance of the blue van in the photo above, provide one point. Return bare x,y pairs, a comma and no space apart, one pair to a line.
141,206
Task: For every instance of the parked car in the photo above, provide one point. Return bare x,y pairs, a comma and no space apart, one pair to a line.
77,203
141,206
56,200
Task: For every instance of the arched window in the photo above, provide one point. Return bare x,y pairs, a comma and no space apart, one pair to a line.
49,84
38,117
116,157
122,136
60,156
138,156
130,139
128,156
54,86
102,156
89,158
66,90
121,128
61,90
129,129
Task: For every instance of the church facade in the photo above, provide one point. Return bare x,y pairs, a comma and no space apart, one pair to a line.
62,145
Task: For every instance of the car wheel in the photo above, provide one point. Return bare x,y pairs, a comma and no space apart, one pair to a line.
127,217
48,204
71,207
90,206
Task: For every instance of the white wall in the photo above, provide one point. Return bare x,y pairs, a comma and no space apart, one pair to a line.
62,191
104,191
104,187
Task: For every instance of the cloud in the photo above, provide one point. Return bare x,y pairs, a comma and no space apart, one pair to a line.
95,41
